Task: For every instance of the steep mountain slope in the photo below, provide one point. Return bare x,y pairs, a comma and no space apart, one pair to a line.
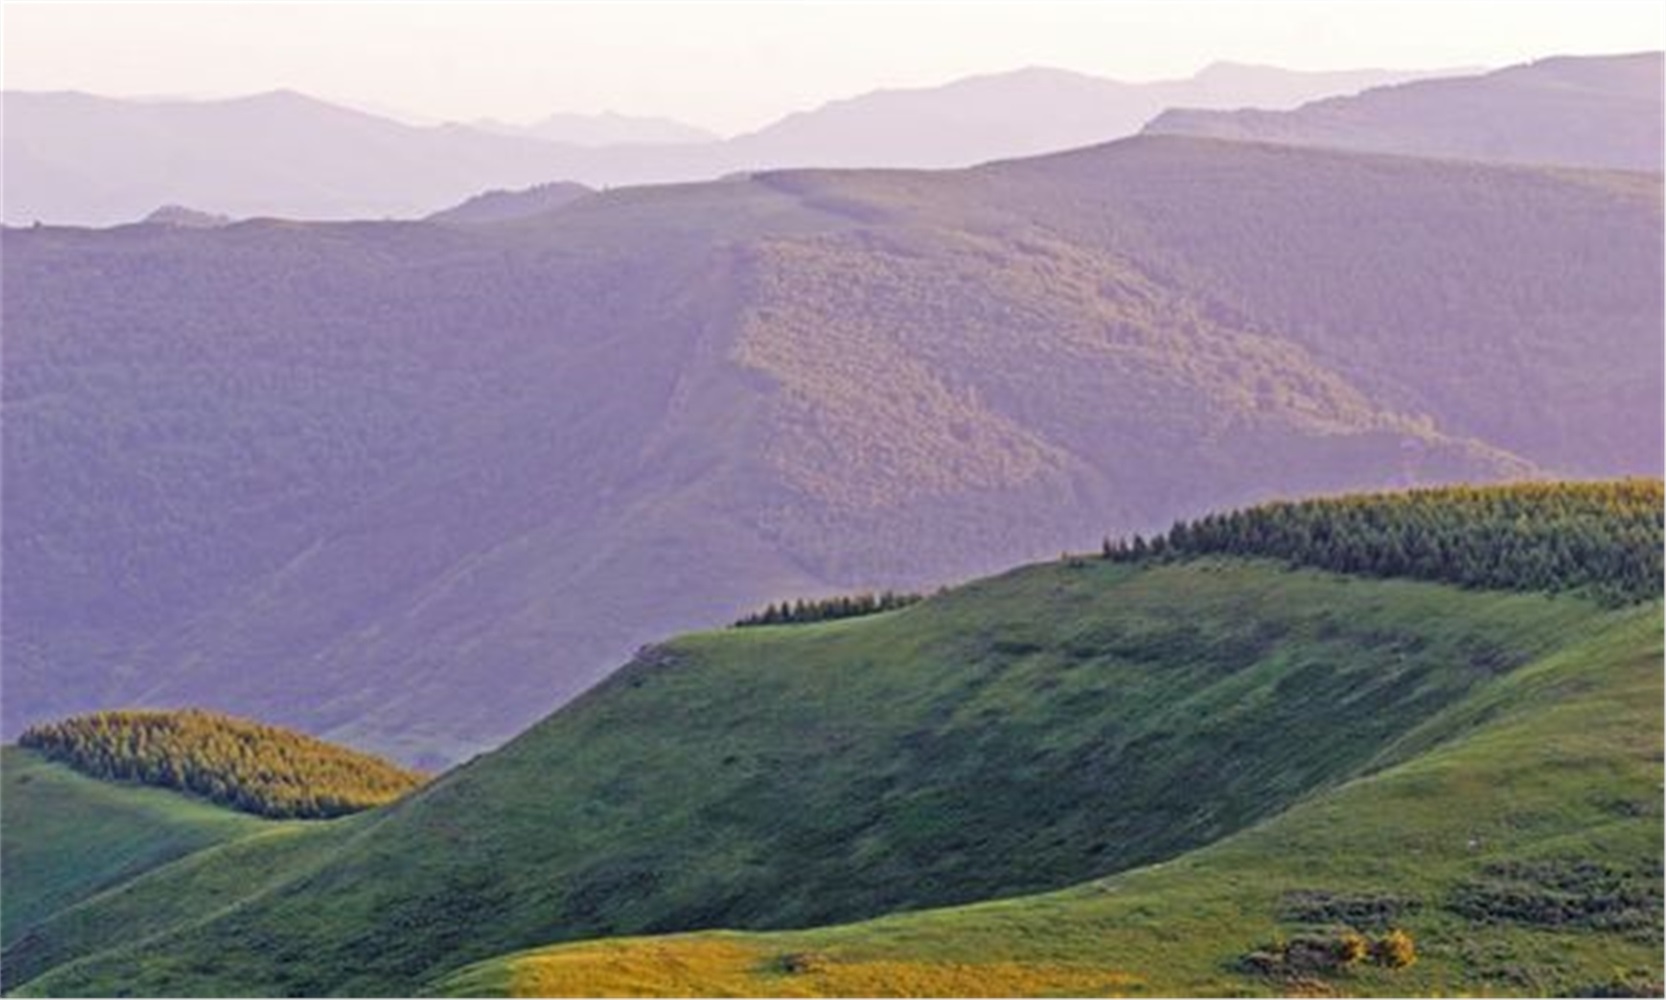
409,485
1522,855
1590,111
74,158
1058,723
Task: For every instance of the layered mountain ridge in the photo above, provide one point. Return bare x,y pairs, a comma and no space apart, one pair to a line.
1594,112
288,154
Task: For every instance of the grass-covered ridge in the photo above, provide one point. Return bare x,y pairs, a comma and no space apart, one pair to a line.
1600,537
1515,838
249,766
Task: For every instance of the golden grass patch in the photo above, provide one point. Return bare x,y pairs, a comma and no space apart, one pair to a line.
717,967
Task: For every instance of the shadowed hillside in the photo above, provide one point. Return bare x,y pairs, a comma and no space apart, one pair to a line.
408,486
1578,111
1022,733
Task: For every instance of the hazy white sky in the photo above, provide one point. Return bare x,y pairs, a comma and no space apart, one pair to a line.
734,66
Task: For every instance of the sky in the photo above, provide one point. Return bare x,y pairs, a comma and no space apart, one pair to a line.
735,66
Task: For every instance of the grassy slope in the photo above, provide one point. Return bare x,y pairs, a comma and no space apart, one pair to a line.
1019,734
193,889
66,836
1559,760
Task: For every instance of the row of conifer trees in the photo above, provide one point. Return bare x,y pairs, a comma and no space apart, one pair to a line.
827,609
1600,538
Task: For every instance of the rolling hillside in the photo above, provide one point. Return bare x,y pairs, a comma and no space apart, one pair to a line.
1589,111
410,486
1242,748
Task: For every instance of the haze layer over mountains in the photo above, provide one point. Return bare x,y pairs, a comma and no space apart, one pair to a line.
413,484
78,159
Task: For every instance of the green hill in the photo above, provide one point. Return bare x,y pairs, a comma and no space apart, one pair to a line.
251,767
65,837
107,816
1308,746
1521,852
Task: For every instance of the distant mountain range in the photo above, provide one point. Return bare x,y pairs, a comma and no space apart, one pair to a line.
411,485
1589,112
1022,113
77,159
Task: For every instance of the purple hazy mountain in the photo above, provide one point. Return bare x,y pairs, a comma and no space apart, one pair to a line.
411,485
1023,113
76,159
95,160
1589,111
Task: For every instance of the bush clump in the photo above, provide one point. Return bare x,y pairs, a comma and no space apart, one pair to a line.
1394,950
1367,911
1329,952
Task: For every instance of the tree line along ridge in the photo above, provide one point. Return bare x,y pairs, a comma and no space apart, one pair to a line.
1598,538
828,609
